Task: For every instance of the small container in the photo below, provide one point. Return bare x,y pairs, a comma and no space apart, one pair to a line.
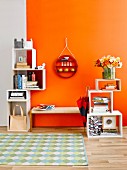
33,76
29,76
70,63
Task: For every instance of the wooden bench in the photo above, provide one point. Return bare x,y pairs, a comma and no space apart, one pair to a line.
57,110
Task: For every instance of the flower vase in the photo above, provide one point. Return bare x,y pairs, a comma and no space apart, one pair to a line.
113,73
108,73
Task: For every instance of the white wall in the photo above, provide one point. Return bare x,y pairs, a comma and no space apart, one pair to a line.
12,25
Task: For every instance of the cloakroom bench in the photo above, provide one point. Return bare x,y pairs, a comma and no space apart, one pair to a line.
56,110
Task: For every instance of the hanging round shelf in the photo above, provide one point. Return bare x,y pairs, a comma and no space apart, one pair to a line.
66,64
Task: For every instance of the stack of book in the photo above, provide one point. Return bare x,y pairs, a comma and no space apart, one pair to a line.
22,65
32,84
95,125
101,104
111,132
110,87
20,82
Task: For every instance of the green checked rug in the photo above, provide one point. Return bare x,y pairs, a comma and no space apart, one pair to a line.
42,149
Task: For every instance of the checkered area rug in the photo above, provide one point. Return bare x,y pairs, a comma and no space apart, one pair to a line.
42,149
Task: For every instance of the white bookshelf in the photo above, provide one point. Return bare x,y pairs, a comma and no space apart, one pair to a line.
22,98
103,123
100,93
91,129
24,63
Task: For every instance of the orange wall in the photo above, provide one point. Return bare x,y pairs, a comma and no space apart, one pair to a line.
94,28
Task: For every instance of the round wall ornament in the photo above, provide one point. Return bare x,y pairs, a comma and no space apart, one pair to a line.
66,64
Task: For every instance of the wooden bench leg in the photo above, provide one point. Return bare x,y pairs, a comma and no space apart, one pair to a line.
30,121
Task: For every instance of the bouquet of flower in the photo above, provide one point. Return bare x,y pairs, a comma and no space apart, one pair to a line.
109,62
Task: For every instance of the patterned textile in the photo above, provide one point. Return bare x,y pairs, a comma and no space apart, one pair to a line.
42,149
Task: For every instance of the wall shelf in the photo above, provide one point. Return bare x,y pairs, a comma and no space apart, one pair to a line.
108,84
66,66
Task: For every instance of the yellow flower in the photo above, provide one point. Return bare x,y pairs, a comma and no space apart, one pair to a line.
108,61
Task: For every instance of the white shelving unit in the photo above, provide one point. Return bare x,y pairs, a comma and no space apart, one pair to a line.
100,93
40,77
101,84
23,64
22,98
101,121
28,55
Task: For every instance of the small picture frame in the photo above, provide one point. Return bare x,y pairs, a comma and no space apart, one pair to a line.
109,122
20,59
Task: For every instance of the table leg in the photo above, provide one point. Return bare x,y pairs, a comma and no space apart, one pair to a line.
30,121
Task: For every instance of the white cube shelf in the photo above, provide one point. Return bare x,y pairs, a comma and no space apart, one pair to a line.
18,97
28,55
98,125
108,84
40,75
101,94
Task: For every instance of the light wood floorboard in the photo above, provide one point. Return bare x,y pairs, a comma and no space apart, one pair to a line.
102,153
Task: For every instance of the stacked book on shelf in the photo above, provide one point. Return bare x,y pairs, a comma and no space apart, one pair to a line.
101,104
110,86
22,65
31,85
109,132
20,82
95,125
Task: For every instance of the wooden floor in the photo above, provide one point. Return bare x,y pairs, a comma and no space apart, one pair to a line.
102,153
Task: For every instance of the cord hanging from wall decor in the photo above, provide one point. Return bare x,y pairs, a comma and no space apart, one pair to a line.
66,64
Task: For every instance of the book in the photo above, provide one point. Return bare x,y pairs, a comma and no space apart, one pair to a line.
100,107
32,86
21,63
15,81
22,66
42,107
24,79
101,103
100,110
31,83
100,100
19,81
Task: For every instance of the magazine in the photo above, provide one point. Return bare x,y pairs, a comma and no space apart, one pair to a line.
42,107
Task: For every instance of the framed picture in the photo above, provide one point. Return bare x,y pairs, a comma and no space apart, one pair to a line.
21,59
109,122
